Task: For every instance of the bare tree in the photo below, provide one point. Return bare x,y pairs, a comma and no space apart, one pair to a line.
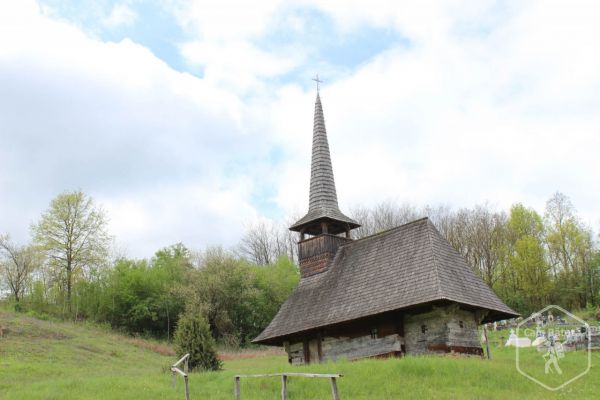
257,245
264,242
17,265
381,217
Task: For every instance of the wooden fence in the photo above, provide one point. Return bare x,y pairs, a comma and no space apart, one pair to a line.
284,376
175,370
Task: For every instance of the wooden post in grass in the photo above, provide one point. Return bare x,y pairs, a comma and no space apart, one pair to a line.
175,370
487,342
237,388
283,387
334,390
187,387
284,376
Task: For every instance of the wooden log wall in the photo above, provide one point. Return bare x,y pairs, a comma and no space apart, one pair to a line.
321,244
443,330
351,348
360,347
315,254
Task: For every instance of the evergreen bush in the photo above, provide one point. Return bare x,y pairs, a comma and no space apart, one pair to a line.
193,336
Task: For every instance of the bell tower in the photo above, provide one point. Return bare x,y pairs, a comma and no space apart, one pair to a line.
324,228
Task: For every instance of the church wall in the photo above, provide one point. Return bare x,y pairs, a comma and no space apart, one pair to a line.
446,329
360,347
443,330
373,338
350,348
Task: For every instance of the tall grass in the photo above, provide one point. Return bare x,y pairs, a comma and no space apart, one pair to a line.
58,360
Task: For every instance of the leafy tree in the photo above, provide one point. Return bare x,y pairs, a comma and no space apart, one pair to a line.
73,234
139,296
238,298
193,336
275,283
570,251
525,282
17,263
223,289
534,280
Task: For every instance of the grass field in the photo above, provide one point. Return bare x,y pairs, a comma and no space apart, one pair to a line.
51,360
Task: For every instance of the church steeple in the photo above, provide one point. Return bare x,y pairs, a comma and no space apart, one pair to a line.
324,215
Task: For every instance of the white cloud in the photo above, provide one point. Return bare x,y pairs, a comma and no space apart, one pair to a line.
505,114
120,15
490,101
110,118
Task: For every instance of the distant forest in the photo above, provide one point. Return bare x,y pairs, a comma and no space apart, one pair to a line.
529,258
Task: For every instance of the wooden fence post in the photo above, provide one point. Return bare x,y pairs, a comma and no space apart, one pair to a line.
187,388
284,379
334,390
237,388
175,370
283,387
487,342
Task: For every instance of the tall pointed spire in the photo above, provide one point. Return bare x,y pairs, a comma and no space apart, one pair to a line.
324,215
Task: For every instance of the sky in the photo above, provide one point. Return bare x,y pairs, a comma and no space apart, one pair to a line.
189,121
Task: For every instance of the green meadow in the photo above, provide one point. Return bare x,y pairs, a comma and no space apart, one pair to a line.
59,360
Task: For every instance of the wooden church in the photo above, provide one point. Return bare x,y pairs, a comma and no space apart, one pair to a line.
405,291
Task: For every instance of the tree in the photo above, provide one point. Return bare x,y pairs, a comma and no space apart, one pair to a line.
223,290
570,250
73,234
263,243
530,265
381,217
258,244
193,336
17,264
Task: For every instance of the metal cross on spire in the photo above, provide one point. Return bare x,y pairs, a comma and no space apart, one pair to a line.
316,79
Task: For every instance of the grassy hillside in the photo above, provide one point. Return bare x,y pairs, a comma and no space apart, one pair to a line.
49,360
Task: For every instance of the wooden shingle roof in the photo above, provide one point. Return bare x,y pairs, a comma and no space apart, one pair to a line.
323,202
398,269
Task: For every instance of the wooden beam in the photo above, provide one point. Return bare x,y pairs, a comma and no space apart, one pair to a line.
292,374
306,349
284,376
237,388
187,388
487,342
284,387
334,390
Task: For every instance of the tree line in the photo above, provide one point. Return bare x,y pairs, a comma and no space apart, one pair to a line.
68,270
530,259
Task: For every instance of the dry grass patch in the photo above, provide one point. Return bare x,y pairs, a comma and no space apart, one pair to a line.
241,354
163,349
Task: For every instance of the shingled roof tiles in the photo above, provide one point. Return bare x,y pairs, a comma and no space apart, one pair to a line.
323,201
407,266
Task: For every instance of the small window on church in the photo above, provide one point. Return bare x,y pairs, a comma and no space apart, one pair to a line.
374,333
460,323
423,328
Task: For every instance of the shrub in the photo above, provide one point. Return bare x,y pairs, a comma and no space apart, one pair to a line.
193,336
